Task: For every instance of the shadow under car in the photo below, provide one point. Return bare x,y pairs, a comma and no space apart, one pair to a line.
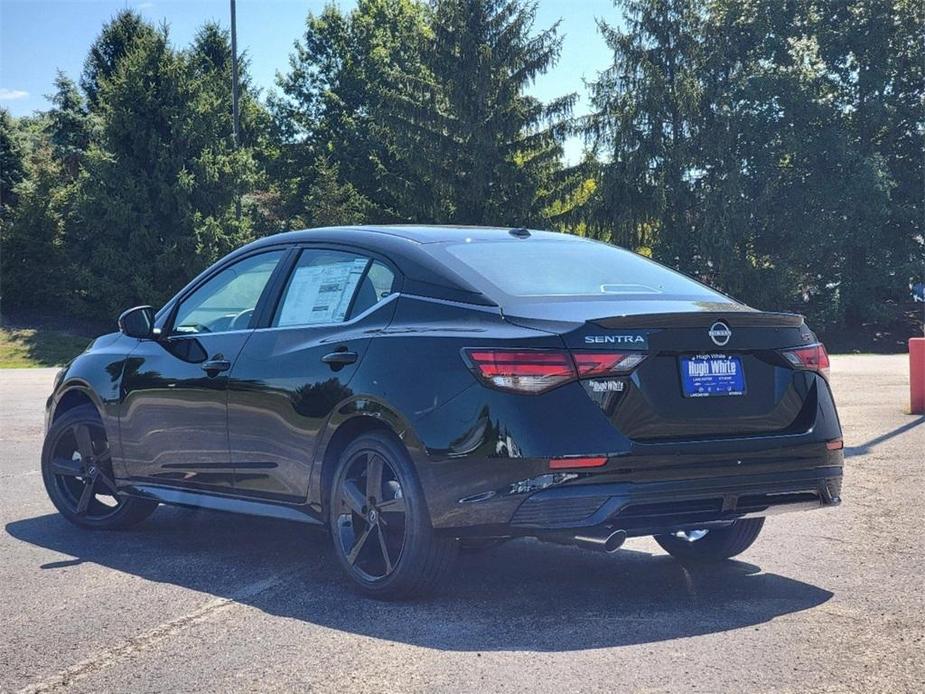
523,595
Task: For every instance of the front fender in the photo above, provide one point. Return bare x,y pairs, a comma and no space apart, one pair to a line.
95,375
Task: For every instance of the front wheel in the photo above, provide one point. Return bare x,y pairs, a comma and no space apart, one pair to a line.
380,524
78,474
713,544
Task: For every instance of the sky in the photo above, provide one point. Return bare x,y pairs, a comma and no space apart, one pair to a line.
39,37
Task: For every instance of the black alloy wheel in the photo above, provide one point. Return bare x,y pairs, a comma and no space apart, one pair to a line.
371,516
78,474
380,524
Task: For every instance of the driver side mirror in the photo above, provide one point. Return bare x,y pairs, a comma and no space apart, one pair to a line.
138,322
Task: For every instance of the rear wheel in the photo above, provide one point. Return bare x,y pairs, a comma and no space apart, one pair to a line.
78,474
380,524
713,544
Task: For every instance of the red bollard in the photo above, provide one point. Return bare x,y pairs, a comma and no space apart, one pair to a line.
917,375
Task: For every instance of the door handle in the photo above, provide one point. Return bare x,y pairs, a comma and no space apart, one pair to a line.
213,366
341,358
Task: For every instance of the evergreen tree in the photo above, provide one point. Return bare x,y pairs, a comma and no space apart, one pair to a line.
798,112
646,112
225,173
772,148
874,52
331,201
770,157
11,163
34,269
158,201
69,125
480,150
332,103
116,40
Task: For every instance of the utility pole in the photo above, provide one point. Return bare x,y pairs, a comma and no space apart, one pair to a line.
235,116
234,73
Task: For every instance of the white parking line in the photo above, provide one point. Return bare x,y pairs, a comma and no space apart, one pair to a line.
110,656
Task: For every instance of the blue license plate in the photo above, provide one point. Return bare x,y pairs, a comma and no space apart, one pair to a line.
708,375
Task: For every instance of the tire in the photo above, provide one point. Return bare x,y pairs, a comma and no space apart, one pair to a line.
717,545
78,474
381,532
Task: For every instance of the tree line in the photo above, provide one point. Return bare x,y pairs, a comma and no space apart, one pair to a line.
771,148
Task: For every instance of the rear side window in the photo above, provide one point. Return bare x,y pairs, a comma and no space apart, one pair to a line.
332,286
375,286
320,288
527,268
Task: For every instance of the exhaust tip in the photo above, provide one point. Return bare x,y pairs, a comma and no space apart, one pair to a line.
614,541
605,542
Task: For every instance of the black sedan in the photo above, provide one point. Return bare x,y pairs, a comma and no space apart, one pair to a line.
418,390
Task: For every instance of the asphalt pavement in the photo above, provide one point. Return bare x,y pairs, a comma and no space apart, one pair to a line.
202,601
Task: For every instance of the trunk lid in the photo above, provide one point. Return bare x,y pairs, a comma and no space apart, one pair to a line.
650,404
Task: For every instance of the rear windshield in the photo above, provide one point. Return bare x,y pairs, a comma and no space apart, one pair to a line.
571,268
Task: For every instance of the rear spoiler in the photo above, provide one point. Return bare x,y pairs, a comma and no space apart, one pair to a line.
696,319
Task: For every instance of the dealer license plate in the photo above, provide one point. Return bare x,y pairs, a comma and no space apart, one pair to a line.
709,375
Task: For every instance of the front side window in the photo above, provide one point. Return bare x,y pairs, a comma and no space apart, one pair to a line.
321,288
227,301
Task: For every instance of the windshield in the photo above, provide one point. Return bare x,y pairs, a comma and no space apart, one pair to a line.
572,268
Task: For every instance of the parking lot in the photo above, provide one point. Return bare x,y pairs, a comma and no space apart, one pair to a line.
193,600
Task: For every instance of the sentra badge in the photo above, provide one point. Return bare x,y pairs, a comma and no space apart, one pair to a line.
615,340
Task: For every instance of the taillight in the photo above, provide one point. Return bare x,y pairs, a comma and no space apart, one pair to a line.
606,363
813,358
573,463
522,370
538,370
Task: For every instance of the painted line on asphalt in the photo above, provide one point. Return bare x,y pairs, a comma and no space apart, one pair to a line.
20,474
145,640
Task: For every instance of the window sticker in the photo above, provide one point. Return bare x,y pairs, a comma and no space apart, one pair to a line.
321,293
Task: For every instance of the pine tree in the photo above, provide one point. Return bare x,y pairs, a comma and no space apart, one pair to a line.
35,270
158,201
117,39
330,200
11,162
643,126
795,150
772,148
69,125
874,53
479,149
331,102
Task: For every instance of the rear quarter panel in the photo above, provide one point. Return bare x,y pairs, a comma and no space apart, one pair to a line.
460,433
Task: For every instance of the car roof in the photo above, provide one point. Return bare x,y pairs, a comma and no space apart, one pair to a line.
407,247
417,233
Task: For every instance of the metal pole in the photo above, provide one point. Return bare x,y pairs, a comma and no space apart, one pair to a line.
235,125
234,74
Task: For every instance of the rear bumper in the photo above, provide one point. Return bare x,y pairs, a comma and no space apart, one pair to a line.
646,508
642,495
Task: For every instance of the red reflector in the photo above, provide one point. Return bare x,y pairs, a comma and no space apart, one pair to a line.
813,357
606,363
569,463
523,371
835,445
